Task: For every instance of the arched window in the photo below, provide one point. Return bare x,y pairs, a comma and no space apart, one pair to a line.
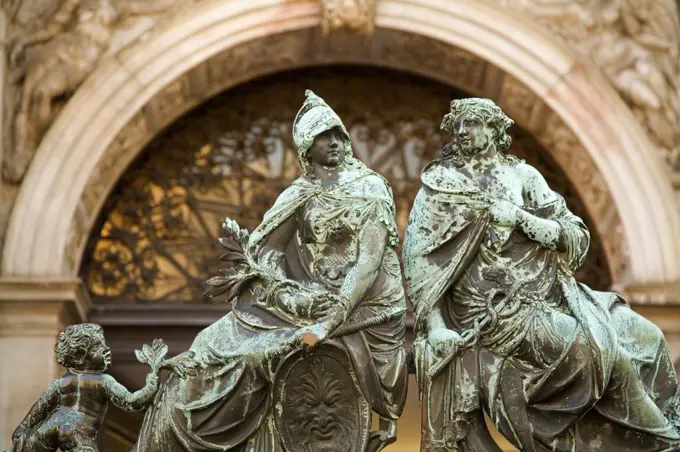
156,240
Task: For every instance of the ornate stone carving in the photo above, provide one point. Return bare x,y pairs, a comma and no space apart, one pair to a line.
319,403
354,15
52,49
637,46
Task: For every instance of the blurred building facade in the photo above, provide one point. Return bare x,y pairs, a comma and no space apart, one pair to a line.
131,128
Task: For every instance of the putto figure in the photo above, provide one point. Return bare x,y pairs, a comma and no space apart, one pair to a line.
70,412
320,269
501,324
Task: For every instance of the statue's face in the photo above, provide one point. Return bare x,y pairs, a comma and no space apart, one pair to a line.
99,354
472,134
328,148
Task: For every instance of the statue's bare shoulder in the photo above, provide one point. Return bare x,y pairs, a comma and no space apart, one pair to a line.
536,190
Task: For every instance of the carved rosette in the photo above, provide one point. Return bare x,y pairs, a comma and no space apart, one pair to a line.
318,404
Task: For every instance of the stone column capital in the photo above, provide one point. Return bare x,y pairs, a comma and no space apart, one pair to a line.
37,307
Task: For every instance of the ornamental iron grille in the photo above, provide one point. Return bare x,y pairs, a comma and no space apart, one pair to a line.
156,239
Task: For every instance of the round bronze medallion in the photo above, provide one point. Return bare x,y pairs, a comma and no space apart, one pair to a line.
318,405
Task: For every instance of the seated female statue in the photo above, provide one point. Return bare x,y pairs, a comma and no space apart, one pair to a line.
321,264
501,323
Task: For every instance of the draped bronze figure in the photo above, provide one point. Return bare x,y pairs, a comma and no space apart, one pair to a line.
501,324
314,341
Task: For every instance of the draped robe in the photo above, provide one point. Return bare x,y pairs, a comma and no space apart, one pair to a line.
228,405
565,368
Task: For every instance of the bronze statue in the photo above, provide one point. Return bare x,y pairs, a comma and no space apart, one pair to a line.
502,325
314,341
71,410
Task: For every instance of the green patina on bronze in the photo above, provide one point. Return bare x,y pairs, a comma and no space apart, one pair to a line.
502,325
71,410
317,283
315,339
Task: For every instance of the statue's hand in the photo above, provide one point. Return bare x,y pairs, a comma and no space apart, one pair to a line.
326,304
313,306
505,213
296,303
328,322
184,364
444,341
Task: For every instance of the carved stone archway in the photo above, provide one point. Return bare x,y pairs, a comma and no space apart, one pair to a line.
130,98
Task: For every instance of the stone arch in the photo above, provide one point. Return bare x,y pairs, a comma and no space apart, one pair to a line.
145,86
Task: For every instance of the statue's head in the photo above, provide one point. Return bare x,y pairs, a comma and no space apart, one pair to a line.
82,347
477,123
319,134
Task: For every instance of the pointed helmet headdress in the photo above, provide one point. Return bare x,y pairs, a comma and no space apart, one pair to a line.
314,118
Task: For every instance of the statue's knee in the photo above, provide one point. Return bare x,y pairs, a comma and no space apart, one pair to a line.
650,333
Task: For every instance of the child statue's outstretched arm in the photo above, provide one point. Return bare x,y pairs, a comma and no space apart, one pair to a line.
130,401
41,409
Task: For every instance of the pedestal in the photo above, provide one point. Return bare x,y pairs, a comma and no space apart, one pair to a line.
32,313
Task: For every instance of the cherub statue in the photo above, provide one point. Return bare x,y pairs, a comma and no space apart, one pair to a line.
50,62
71,410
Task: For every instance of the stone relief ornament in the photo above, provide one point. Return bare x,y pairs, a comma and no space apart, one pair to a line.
316,286
353,15
636,44
51,51
502,325
72,409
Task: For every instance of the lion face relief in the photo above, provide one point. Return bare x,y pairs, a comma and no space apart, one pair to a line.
317,408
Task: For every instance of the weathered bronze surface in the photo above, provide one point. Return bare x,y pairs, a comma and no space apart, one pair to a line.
71,410
321,405
319,274
502,325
